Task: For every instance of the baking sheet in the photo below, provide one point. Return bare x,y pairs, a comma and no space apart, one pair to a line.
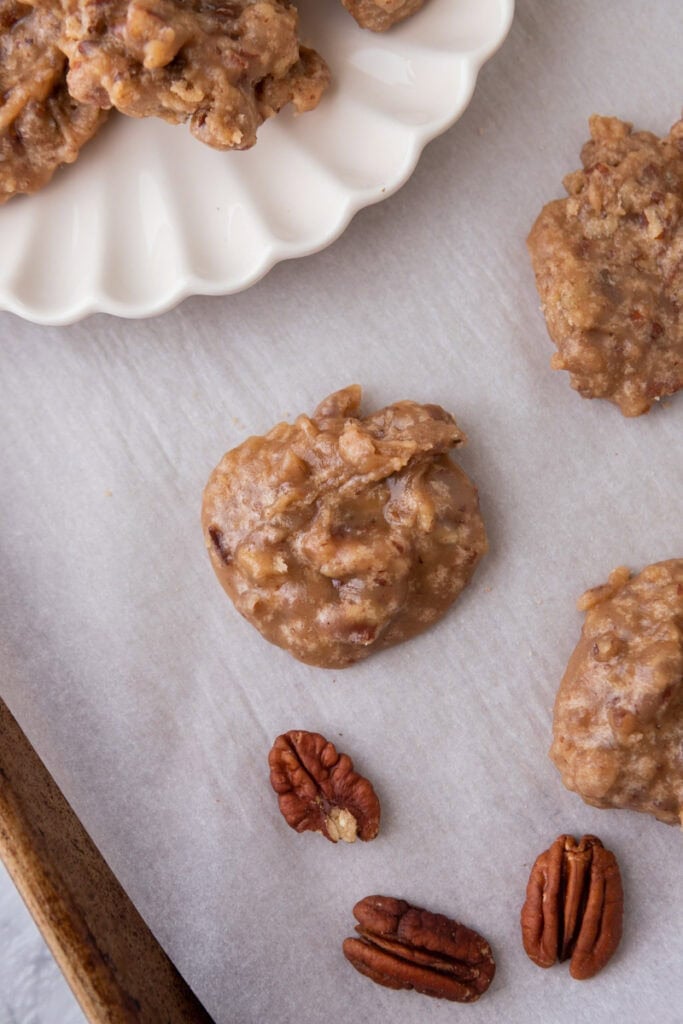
155,705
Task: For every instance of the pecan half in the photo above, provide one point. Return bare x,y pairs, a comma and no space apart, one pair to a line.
318,790
405,947
574,906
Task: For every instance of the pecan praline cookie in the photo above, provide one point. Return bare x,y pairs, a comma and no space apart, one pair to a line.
41,125
618,721
224,67
609,267
339,535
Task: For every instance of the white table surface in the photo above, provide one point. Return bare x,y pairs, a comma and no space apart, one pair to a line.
431,287
32,988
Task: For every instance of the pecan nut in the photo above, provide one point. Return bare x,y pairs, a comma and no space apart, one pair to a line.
318,790
574,906
401,946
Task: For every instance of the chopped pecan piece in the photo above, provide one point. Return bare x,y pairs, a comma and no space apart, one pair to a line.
574,906
379,15
319,791
405,947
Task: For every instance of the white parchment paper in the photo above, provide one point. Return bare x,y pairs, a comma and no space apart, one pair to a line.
155,705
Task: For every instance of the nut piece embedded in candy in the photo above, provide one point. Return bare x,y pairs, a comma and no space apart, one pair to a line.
618,719
339,535
319,791
574,906
379,15
405,947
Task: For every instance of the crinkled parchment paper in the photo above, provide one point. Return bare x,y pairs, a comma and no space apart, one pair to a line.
155,705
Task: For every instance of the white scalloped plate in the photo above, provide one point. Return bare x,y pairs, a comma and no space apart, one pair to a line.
148,216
